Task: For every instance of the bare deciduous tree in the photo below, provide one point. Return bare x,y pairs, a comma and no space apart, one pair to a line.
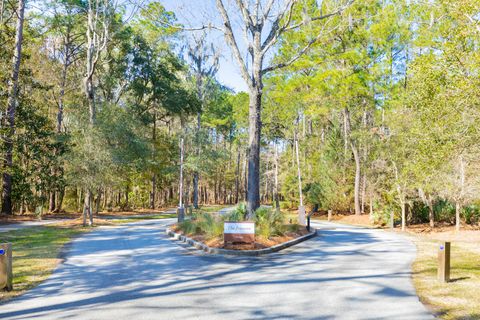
263,24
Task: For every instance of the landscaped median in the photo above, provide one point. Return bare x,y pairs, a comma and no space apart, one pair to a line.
271,233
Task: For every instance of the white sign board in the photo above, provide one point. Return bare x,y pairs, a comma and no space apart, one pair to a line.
239,227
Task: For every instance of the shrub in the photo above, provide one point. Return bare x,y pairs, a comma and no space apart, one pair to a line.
242,209
188,227
268,222
444,211
234,216
205,224
471,214
210,225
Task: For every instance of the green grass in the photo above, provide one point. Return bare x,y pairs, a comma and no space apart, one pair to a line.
35,254
210,208
458,299
139,218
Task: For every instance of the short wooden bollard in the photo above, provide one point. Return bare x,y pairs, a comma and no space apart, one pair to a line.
6,274
329,215
444,262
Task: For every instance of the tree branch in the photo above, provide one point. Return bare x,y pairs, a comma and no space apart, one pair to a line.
230,37
322,17
246,14
297,56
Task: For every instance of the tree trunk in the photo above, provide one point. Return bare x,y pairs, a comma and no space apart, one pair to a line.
458,205
87,209
364,192
63,83
277,200
12,102
237,176
299,174
51,202
90,62
245,178
458,208
356,157
152,193
254,132
196,175
98,201
402,204
61,195
431,215
180,188
126,197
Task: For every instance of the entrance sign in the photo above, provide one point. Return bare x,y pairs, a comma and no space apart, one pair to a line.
243,232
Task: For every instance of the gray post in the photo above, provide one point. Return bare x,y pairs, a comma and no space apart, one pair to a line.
329,215
6,274
444,262
392,222
301,216
180,214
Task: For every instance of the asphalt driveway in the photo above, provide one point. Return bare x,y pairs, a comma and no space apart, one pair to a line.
135,272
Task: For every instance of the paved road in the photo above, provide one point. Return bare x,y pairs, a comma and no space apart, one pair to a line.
135,272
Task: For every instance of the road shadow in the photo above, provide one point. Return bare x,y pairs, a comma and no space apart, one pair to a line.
123,265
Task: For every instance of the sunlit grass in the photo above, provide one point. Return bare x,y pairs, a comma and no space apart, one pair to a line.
140,217
458,299
209,208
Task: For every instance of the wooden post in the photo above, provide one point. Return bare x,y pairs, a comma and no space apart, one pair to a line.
392,222
6,274
444,262
329,215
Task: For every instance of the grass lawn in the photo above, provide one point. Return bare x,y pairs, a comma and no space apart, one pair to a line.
458,299
139,218
35,254
210,208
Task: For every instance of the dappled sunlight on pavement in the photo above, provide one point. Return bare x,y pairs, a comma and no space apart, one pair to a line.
134,271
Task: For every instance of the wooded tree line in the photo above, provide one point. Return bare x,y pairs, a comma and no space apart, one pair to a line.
356,106
96,98
385,107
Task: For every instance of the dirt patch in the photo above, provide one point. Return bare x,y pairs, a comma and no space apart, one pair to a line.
260,242
446,233
361,220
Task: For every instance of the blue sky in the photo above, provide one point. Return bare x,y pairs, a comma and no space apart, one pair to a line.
194,13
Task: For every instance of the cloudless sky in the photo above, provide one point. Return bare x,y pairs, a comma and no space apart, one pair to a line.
195,13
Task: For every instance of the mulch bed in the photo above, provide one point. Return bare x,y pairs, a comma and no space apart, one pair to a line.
260,242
